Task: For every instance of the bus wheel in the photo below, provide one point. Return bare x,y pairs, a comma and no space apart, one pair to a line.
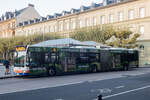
51,72
125,68
94,68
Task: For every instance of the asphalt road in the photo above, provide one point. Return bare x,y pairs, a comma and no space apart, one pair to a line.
129,85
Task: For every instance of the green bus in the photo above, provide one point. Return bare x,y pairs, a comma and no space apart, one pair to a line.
37,60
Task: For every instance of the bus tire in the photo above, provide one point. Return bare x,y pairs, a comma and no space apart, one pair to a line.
126,68
51,72
94,68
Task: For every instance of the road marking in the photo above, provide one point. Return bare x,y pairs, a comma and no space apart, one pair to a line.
101,91
118,87
113,95
71,83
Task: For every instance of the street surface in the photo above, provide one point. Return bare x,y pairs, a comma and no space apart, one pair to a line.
121,85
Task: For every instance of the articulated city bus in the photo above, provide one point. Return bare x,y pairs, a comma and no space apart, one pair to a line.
35,60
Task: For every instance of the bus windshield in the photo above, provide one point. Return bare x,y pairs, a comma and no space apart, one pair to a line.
19,59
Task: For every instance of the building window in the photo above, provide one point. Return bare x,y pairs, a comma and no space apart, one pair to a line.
73,25
13,25
111,18
26,33
131,14
55,28
0,28
120,16
80,23
102,19
142,12
142,29
13,33
9,25
3,35
31,31
61,28
87,22
6,35
67,26
40,30
44,29
49,29
94,21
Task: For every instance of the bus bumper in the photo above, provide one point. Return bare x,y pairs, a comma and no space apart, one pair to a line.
21,71
21,74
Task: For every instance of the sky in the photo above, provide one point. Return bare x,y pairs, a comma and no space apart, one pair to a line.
44,7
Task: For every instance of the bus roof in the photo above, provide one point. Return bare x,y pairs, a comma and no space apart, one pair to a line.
67,42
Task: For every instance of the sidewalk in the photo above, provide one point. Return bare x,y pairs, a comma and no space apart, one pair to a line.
2,72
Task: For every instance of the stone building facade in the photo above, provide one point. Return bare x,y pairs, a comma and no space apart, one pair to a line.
10,20
7,28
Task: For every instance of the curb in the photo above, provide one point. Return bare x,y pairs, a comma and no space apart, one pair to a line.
144,67
5,77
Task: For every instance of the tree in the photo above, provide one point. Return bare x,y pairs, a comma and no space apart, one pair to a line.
8,44
109,35
96,33
123,38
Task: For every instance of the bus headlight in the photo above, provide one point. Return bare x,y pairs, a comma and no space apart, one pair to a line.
26,70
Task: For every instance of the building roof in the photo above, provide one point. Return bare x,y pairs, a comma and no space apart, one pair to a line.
82,9
10,15
15,14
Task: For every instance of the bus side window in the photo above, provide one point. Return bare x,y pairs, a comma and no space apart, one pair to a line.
93,57
47,58
83,58
53,57
71,58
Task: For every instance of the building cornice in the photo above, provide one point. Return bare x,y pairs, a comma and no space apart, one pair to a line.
136,20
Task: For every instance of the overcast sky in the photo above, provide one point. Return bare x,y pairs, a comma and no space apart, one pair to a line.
44,7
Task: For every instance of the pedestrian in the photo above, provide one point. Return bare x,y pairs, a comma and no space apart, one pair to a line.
100,97
6,63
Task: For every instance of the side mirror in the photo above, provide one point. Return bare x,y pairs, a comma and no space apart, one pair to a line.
15,54
27,64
